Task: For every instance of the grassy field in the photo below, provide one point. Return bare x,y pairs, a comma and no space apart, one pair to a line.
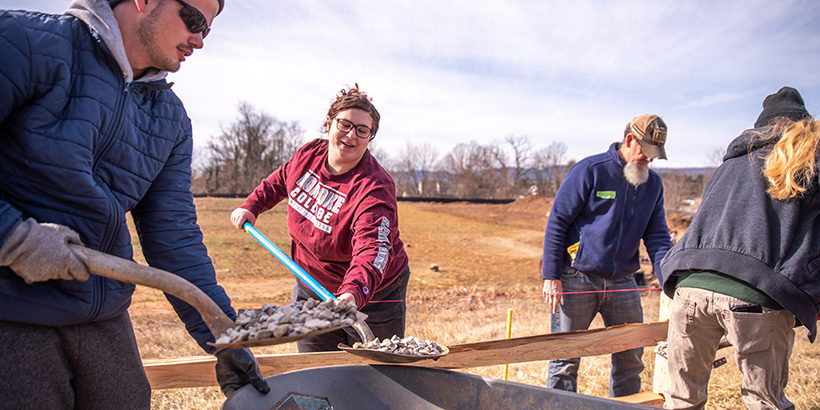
487,258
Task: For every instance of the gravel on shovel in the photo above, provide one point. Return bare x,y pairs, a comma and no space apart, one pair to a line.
302,317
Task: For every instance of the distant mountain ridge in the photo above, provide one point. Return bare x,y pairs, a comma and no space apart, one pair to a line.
690,171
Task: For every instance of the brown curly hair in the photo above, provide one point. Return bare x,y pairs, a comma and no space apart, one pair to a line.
353,98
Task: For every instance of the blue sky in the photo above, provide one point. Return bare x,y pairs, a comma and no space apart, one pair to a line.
445,72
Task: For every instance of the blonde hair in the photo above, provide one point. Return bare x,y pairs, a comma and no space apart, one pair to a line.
790,167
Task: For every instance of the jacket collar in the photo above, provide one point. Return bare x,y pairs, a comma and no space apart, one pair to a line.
613,153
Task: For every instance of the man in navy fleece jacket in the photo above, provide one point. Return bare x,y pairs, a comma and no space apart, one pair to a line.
605,206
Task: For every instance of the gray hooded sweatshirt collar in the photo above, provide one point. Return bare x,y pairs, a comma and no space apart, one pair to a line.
100,18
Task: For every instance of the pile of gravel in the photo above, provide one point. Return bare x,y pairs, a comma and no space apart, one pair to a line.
272,322
409,346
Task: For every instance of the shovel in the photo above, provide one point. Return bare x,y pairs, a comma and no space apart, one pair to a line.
361,327
109,266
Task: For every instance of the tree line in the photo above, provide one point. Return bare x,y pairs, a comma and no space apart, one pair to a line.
256,143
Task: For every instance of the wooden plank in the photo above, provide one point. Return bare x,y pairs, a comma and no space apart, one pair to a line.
199,371
646,398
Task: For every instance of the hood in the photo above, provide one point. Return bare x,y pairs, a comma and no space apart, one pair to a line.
750,141
100,18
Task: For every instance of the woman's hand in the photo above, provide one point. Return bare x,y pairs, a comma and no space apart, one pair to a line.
240,215
348,298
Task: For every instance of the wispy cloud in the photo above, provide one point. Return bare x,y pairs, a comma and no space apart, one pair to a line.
444,72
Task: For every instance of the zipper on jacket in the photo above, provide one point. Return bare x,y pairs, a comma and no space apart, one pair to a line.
110,136
624,207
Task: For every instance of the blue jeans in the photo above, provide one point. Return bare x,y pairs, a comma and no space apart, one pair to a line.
576,313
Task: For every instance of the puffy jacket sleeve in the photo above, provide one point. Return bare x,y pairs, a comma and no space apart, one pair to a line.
171,239
15,82
568,203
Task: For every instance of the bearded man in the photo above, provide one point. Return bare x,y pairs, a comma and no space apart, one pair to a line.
605,206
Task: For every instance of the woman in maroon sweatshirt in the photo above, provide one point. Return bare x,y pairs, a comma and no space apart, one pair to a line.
343,219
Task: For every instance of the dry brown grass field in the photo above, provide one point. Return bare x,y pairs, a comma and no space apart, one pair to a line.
487,257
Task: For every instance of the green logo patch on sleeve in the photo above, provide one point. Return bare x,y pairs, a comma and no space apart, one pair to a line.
605,194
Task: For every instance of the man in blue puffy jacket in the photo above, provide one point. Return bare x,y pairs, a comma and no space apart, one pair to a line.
89,131
605,206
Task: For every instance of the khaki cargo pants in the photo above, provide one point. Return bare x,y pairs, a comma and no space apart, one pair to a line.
762,342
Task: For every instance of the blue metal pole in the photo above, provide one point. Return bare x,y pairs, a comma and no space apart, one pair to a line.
289,263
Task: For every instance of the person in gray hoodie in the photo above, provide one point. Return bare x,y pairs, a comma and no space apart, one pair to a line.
90,131
747,267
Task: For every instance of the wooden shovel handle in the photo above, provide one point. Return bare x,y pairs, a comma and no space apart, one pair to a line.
113,267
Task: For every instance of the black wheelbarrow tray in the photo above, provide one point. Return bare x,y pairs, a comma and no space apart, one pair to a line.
379,387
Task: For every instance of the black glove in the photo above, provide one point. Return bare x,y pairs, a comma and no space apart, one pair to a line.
39,251
236,368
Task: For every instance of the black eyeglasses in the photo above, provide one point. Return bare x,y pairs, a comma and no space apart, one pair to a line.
194,19
343,125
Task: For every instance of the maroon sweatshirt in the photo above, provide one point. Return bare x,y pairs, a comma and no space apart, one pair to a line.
345,228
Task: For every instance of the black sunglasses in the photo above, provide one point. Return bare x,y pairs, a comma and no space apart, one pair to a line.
193,19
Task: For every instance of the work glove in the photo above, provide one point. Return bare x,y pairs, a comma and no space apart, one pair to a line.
39,251
236,368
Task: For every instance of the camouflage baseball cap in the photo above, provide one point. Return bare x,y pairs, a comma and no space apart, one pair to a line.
650,131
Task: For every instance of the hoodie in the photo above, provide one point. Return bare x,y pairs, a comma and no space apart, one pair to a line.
99,17
740,231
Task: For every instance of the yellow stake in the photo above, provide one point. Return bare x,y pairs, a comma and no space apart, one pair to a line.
509,332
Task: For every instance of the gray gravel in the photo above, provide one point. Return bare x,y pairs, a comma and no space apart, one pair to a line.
303,317
408,346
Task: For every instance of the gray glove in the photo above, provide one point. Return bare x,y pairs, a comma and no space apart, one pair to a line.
39,252
236,368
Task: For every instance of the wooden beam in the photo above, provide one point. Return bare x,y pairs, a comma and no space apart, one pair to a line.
199,371
646,398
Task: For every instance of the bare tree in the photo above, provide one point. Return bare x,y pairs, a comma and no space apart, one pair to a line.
674,188
550,167
522,158
198,159
248,150
499,171
413,170
715,158
381,155
715,155
472,172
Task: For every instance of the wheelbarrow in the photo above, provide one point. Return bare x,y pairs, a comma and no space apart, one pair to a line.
379,387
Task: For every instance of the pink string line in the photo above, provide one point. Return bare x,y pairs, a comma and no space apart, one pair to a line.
452,298
512,296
